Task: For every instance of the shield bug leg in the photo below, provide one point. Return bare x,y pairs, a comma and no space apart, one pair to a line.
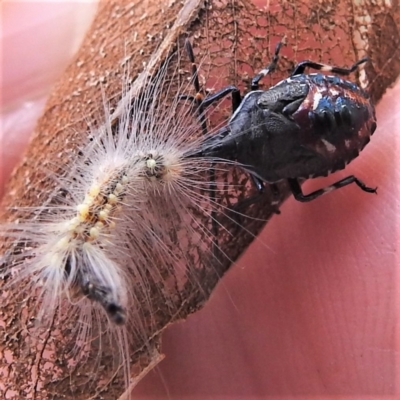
301,66
259,184
204,102
298,194
245,203
232,90
213,98
260,187
199,99
271,67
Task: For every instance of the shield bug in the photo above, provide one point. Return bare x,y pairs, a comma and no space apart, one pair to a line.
306,126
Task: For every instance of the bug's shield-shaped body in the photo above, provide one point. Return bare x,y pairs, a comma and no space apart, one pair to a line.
305,126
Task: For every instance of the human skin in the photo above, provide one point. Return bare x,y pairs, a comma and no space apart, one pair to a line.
310,310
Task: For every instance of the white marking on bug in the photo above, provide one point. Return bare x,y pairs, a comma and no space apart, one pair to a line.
329,146
265,71
329,189
363,78
325,68
333,92
317,98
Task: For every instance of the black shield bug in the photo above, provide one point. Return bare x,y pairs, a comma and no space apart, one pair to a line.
306,126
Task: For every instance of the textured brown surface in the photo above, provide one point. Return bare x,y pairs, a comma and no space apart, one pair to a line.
236,49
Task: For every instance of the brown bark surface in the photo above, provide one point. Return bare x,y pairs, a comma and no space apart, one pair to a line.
235,41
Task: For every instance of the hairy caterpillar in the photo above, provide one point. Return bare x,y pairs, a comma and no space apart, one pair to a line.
121,239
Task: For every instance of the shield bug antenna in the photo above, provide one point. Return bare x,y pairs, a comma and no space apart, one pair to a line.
306,126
